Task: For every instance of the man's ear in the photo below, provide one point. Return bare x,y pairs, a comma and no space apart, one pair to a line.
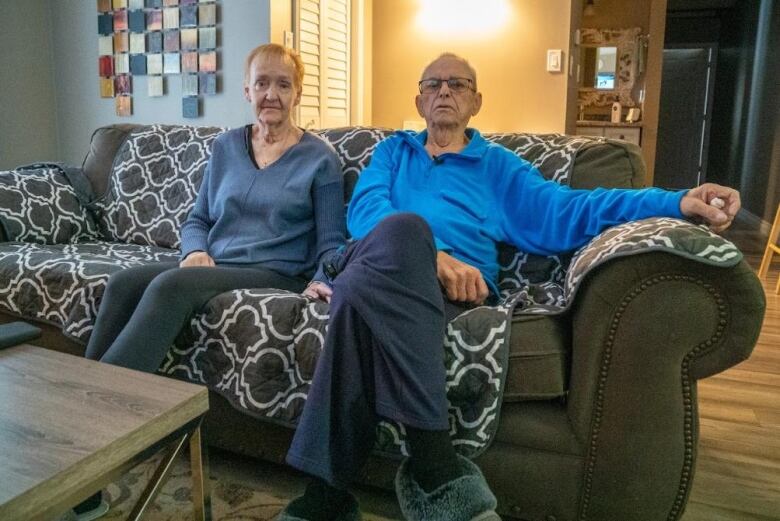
477,104
418,104
246,93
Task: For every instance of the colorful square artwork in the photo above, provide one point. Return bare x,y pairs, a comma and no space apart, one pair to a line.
135,4
207,62
208,84
171,41
189,62
105,45
121,63
124,106
123,84
170,2
154,20
138,64
120,4
106,66
120,21
121,42
207,38
171,64
171,18
188,15
137,43
137,21
154,41
104,6
155,86
106,87
207,14
105,24
189,85
189,39
190,107
154,3
154,64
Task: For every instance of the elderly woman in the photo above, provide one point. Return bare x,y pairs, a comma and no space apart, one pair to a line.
269,211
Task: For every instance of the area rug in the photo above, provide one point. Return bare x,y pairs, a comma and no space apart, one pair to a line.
241,490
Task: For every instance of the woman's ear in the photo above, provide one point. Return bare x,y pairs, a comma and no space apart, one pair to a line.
246,94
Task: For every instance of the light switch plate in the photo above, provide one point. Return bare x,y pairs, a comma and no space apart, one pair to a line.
554,57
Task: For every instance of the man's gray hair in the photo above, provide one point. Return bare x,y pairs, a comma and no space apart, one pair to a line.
453,56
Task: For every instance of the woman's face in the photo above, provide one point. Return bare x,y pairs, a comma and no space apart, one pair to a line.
271,90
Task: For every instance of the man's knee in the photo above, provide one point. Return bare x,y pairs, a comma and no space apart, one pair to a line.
403,229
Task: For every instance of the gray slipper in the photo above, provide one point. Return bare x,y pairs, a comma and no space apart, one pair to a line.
467,498
352,512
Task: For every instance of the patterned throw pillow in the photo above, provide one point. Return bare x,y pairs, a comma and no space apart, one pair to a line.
39,205
154,181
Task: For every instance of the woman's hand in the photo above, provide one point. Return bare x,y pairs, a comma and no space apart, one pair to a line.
461,281
197,258
318,291
713,204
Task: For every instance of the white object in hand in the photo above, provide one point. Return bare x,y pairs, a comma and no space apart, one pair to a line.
717,202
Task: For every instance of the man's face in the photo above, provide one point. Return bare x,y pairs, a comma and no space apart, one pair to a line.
446,107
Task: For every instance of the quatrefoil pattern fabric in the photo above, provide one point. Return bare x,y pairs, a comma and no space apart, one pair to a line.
39,205
155,178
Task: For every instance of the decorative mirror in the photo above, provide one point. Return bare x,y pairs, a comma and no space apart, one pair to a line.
598,67
608,64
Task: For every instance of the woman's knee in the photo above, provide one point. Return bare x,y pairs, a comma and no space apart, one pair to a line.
171,285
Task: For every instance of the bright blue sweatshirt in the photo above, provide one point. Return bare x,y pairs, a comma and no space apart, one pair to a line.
288,217
486,194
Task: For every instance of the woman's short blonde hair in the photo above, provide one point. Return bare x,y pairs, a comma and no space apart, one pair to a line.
274,50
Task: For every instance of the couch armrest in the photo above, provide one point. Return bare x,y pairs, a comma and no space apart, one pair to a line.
645,328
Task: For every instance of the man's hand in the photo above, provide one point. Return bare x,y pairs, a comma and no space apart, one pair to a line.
318,291
461,281
197,258
702,203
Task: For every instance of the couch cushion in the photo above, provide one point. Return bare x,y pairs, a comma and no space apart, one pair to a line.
154,180
102,149
62,284
41,206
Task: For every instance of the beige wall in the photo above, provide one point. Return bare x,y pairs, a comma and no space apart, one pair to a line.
519,94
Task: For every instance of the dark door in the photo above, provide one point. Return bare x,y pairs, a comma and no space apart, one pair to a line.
684,117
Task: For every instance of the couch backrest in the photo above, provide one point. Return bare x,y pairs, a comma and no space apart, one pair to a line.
148,176
154,180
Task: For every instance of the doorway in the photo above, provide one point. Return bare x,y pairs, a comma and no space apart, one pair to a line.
684,117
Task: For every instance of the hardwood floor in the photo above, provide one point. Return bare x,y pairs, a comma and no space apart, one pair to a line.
738,468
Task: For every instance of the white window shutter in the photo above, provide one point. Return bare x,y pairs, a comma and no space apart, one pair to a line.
324,46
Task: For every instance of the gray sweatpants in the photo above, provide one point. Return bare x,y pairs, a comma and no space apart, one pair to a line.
145,307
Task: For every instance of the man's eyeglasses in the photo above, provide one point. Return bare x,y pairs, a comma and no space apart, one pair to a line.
457,85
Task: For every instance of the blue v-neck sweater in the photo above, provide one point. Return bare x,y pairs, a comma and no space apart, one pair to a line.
288,217
484,195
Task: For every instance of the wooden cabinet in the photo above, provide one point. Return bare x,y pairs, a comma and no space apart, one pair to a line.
632,134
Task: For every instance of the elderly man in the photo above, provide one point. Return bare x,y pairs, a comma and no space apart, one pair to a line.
427,214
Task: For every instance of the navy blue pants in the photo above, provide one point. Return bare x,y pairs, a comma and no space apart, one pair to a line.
383,355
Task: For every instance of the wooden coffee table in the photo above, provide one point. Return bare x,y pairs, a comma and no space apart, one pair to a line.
69,426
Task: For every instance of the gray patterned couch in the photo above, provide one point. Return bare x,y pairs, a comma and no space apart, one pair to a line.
576,395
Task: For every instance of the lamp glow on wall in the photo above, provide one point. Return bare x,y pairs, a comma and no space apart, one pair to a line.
462,17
